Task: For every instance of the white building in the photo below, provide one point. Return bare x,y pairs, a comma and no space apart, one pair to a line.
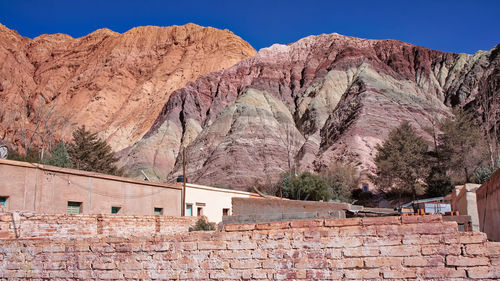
212,202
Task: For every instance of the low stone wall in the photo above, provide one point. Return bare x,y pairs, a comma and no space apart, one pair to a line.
259,206
29,225
367,248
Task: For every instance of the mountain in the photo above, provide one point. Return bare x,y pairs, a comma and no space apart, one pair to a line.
321,100
115,84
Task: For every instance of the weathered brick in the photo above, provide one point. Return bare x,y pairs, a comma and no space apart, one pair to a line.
333,253
379,262
129,265
343,222
381,220
239,227
441,272
103,265
361,252
472,238
211,245
272,244
440,249
342,242
492,272
401,273
208,264
262,274
277,264
239,254
313,233
307,244
321,274
362,274
358,231
276,234
347,263
466,261
290,274
306,223
412,239
54,265
421,219
476,250
400,251
259,254
189,246
241,245
429,261
377,241
193,275
272,225
105,275
493,249
311,264
244,264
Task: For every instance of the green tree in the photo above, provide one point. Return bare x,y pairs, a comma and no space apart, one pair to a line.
307,186
59,156
90,153
401,161
342,180
438,182
31,156
462,147
483,173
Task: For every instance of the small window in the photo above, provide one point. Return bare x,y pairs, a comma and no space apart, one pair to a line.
74,207
200,211
115,210
189,210
3,201
225,212
366,187
158,211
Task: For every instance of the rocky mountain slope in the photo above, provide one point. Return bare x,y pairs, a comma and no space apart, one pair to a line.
324,99
115,84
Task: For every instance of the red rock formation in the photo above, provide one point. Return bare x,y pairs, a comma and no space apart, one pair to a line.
115,84
320,100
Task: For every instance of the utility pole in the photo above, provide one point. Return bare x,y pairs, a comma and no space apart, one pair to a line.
183,208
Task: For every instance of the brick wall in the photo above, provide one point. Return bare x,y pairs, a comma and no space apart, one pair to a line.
29,225
368,248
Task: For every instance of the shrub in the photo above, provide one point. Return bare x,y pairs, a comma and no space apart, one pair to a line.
202,225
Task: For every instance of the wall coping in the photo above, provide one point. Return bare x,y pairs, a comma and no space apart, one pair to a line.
314,223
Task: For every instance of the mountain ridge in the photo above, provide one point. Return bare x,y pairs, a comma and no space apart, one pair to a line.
419,82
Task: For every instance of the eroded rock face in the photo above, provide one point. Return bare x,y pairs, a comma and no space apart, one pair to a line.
323,99
115,84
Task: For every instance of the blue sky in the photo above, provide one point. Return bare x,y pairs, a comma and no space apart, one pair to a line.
455,26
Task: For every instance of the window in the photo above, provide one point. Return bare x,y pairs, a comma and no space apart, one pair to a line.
158,211
189,210
115,210
366,187
225,212
3,201
74,207
200,211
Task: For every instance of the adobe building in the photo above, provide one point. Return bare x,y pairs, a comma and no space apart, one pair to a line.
52,190
488,206
212,202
